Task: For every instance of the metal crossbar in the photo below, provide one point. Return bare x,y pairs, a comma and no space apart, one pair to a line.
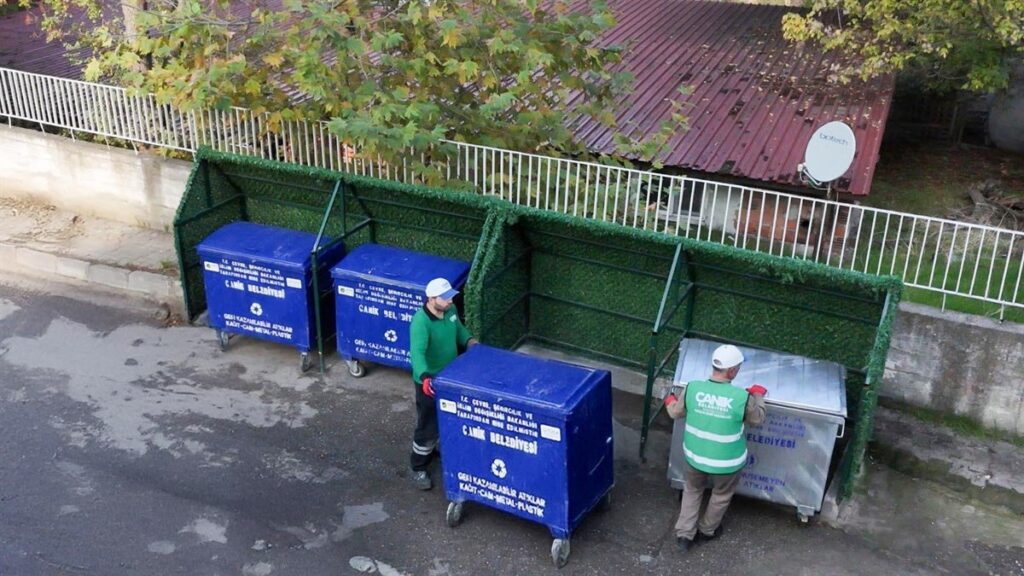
946,257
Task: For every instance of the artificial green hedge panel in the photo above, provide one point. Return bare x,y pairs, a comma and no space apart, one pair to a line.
440,222
503,284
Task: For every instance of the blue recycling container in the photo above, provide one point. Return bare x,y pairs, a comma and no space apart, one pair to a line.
525,435
377,290
259,283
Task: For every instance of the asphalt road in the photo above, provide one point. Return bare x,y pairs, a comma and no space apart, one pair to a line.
131,447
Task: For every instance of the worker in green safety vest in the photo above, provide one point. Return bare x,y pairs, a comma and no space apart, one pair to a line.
714,443
436,335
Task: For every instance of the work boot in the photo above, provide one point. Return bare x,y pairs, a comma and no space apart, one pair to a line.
421,480
683,544
702,537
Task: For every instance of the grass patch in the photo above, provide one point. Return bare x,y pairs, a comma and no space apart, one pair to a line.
932,178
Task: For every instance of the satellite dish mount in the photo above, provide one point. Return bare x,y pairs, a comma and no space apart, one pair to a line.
828,156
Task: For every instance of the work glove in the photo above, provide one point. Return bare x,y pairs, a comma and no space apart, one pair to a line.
670,399
428,386
757,389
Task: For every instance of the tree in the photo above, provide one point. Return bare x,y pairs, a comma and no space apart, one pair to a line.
390,75
958,44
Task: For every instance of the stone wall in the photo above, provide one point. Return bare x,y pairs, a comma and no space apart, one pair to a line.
140,188
958,364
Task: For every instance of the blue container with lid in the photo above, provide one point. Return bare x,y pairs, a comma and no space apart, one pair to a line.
258,282
377,289
525,435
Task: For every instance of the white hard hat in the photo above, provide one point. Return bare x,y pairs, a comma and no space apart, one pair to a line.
726,356
440,288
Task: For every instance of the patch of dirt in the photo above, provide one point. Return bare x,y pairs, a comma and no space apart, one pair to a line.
24,221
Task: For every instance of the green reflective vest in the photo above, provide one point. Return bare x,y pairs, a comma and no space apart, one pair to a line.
713,440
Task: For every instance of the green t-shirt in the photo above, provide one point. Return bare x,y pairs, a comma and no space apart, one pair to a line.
434,342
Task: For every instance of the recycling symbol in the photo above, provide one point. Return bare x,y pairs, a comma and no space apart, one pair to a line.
256,309
498,468
391,336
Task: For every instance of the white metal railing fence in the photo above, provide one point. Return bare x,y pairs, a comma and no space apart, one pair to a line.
947,257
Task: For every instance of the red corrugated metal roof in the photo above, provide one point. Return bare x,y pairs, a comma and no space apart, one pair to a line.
755,101
23,46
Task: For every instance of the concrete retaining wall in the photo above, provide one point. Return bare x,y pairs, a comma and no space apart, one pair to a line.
959,364
136,188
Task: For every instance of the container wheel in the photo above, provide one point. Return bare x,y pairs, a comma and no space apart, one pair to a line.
356,369
560,552
222,340
304,362
453,517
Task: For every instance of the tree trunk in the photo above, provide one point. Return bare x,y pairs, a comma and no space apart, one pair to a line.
1006,119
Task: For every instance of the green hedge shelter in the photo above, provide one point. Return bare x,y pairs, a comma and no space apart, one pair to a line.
596,289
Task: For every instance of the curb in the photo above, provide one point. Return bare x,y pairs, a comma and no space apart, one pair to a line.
157,287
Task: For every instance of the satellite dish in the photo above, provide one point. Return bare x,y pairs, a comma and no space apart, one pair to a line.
829,152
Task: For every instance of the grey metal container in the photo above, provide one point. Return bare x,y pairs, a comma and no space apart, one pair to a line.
789,455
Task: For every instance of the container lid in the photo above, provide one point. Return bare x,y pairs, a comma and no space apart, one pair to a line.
526,379
792,381
400,267
243,240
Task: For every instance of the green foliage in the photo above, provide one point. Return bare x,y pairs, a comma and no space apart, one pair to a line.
959,43
390,76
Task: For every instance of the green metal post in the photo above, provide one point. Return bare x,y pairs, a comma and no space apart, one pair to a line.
652,355
652,361
316,274
316,310
691,295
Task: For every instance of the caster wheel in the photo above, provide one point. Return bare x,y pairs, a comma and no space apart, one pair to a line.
453,517
304,362
560,552
356,369
804,519
222,340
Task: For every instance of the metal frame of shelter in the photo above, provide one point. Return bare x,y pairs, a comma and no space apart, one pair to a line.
687,296
685,287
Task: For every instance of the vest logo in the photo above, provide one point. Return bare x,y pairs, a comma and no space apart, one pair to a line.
713,402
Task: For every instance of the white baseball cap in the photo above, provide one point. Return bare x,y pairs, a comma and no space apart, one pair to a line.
440,288
726,356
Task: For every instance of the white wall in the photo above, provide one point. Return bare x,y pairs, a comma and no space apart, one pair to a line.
136,188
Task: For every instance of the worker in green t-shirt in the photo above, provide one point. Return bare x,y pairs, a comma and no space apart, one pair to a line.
436,336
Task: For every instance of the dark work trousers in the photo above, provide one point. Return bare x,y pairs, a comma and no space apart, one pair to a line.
424,439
